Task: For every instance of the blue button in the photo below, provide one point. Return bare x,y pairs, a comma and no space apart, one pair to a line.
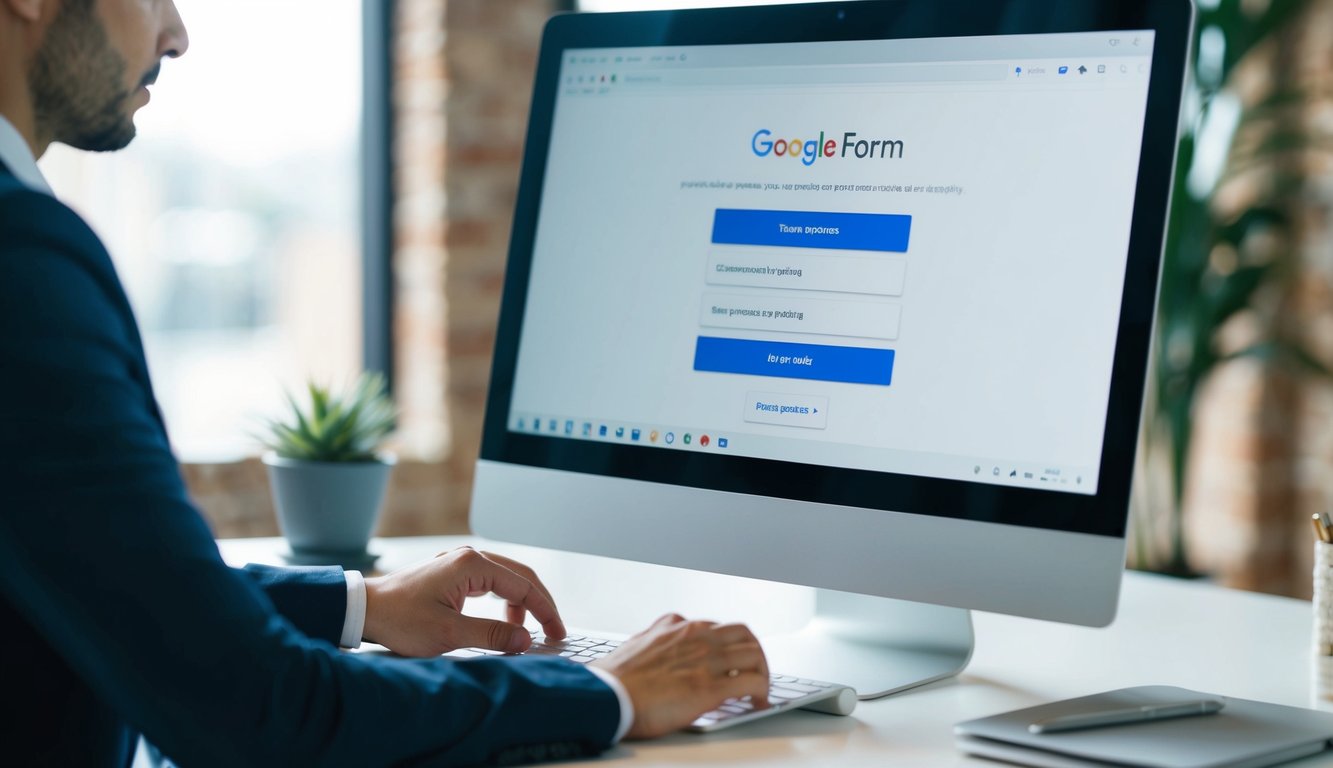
811,229
785,360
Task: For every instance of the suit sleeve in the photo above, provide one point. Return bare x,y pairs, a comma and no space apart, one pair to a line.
101,550
314,598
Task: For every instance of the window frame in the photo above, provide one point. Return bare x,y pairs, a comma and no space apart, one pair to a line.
377,125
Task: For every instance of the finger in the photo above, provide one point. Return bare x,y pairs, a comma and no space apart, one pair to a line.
516,590
451,551
521,569
517,614
734,633
744,684
555,630
697,628
744,657
742,638
662,622
492,635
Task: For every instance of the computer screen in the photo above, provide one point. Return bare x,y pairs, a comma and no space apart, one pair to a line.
897,256
855,296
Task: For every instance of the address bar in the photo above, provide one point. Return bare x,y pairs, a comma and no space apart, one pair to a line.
816,75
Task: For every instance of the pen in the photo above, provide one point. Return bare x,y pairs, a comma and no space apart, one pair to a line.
1320,531
1127,715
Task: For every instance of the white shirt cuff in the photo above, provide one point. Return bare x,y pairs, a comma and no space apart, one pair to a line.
626,706
354,622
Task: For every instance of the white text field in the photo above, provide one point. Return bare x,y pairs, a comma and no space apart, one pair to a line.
808,272
797,314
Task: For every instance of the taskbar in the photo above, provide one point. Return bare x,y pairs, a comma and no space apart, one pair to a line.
987,471
666,437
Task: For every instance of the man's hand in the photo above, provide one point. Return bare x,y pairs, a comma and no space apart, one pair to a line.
676,670
417,611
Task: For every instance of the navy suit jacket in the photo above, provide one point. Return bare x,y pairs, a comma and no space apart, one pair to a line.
117,614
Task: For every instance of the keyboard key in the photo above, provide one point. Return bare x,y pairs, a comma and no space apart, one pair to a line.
800,687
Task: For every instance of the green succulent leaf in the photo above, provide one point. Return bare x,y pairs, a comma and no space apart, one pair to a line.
335,428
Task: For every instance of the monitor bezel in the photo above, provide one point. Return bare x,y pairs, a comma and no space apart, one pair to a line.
1104,513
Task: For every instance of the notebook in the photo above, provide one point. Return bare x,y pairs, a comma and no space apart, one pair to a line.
1245,734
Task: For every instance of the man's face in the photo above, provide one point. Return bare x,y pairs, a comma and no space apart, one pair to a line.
94,65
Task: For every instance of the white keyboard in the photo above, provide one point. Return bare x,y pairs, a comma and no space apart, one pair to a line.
785,692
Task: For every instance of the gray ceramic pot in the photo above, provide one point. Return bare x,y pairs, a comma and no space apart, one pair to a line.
327,510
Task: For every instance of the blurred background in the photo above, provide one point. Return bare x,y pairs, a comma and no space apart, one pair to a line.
1237,442
322,186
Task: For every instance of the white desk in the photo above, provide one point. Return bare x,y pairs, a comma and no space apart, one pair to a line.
1168,632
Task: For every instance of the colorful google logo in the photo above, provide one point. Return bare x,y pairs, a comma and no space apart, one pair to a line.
810,150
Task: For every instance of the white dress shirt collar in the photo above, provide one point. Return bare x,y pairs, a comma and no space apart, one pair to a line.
16,156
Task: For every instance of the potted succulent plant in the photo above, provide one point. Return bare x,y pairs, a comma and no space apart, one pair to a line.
327,473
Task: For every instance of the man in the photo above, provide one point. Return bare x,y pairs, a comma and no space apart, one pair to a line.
118,615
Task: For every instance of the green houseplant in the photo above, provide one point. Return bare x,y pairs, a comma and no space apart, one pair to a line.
1200,292
327,473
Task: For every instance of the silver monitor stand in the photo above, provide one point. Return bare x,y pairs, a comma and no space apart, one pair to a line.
877,645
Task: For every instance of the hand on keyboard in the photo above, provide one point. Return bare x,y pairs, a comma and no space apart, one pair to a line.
418,610
784,691
677,670
678,673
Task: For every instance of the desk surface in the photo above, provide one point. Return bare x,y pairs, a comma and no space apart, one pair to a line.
1168,632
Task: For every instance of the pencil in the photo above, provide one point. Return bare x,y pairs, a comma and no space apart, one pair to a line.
1325,524
1319,532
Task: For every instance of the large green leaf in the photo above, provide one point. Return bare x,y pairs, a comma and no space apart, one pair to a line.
1196,299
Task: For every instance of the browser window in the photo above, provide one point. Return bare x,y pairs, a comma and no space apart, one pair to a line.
902,256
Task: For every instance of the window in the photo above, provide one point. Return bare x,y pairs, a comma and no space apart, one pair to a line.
234,218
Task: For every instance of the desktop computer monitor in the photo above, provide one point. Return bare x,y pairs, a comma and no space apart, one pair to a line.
857,296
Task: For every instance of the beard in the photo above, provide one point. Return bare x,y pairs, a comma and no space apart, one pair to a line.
77,83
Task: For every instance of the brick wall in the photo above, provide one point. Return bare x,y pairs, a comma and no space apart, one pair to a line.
464,89
1262,461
